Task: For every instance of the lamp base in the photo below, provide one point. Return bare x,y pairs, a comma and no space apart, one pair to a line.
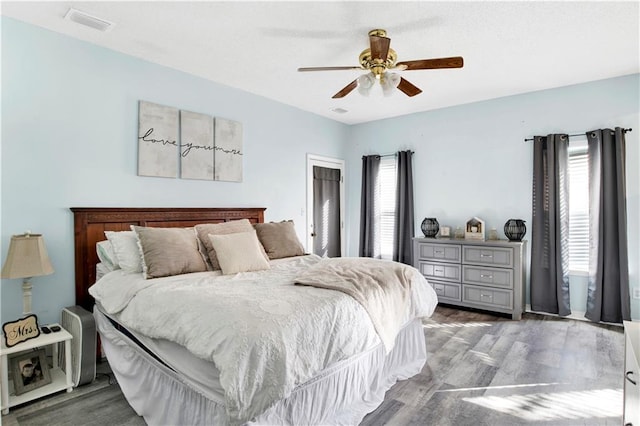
26,296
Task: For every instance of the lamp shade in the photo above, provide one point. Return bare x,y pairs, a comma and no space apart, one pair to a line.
27,257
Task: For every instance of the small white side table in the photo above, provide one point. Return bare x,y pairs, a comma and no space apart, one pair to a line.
59,379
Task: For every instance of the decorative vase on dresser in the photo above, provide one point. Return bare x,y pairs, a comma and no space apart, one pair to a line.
487,275
514,229
430,227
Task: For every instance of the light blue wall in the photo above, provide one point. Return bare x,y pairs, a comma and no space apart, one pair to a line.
69,139
69,127
471,160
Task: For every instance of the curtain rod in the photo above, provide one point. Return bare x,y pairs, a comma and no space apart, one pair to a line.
583,134
387,155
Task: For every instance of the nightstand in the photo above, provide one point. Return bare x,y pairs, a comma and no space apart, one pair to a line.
59,379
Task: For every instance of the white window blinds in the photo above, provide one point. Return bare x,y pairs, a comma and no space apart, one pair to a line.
387,183
578,206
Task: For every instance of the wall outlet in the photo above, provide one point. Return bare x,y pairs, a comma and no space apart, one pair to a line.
636,293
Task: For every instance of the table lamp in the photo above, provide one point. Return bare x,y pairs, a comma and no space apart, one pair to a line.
27,258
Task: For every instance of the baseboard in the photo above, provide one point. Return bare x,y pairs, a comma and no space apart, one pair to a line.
575,315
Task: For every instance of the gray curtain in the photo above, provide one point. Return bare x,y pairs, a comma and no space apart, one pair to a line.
369,241
404,229
550,225
608,293
326,210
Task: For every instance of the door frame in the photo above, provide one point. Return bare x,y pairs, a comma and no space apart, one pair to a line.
331,163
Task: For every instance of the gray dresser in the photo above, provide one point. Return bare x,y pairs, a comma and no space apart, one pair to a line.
486,275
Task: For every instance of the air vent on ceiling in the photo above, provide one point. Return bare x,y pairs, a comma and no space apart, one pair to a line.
84,18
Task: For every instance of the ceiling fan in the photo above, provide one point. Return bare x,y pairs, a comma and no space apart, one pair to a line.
379,58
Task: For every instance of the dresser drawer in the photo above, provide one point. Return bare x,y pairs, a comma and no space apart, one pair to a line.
447,292
441,252
495,277
493,256
487,296
440,271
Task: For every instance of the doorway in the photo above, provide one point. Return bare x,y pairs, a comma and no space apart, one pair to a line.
325,206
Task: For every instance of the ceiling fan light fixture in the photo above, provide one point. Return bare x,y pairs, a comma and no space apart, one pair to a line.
378,58
365,83
389,82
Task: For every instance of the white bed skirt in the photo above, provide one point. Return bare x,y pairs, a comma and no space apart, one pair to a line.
340,395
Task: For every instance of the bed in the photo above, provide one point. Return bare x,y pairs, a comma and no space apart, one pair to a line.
182,346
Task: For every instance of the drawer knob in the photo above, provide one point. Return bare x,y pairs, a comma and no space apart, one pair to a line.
486,276
438,251
485,295
486,255
630,373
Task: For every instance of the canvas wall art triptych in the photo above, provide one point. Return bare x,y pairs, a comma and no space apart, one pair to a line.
190,145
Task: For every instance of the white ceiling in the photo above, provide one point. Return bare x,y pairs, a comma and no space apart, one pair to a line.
508,47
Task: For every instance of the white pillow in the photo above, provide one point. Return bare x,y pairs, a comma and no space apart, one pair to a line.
125,246
101,270
239,252
106,255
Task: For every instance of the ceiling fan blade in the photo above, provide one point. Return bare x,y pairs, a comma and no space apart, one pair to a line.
427,64
329,68
346,90
379,47
408,88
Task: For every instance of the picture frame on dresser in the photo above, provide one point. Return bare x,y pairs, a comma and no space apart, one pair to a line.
29,371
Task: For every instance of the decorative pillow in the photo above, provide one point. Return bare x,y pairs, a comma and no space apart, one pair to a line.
223,228
101,270
125,246
239,252
204,253
279,239
169,251
106,255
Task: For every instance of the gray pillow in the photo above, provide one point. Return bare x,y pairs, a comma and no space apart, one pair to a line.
279,239
168,251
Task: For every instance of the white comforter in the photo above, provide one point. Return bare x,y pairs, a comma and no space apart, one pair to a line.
265,335
382,287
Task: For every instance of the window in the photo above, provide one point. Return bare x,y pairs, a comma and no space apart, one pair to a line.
387,181
578,206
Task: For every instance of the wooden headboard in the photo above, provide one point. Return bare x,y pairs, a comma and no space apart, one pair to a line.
91,222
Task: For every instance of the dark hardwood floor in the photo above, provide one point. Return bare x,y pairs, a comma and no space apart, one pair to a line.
482,370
